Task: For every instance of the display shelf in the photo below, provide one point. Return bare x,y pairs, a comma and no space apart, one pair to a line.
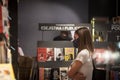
67,44
54,44
62,44
101,44
115,68
105,29
53,64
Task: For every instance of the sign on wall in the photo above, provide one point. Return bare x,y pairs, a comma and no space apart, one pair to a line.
114,34
62,27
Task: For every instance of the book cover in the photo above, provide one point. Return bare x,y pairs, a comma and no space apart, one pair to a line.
41,54
41,73
6,72
47,73
59,54
50,54
63,73
69,53
55,74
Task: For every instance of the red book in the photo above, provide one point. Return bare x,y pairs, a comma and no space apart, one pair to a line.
41,54
41,73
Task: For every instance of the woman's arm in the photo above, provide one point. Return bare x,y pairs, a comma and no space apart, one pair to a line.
74,71
79,76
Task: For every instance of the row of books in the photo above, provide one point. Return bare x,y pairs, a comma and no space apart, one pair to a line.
55,54
114,75
53,73
100,56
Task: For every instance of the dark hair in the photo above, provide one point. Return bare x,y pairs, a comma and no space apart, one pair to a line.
85,39
65,32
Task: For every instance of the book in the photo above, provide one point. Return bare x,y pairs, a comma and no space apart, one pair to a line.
41,73
59,54
50,54
63,73
6,72
41,54
55,74
47,73
69,53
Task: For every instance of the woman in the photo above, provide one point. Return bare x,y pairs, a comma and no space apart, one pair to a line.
83,61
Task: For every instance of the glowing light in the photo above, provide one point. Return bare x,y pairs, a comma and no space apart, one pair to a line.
106,56
118,44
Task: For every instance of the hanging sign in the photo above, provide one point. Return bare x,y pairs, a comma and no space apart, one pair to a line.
61,27
115,27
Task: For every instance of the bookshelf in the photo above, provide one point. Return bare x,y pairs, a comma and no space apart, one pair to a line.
54,44
104,28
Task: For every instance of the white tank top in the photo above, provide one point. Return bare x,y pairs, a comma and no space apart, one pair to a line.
86,59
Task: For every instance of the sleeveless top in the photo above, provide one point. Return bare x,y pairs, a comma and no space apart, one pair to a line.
84,56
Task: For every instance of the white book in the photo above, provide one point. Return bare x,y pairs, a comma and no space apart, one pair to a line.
59,54
63,73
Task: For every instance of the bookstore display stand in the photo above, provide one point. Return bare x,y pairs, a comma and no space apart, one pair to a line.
110,33
105,35
54,44
111,71
114,36
6,67
63,44
100,69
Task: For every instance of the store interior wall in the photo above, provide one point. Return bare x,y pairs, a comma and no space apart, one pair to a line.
103,8
33,12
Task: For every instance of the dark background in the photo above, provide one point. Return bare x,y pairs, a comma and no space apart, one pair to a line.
27,15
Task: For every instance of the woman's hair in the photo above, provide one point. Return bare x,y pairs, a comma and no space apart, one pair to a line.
85,39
